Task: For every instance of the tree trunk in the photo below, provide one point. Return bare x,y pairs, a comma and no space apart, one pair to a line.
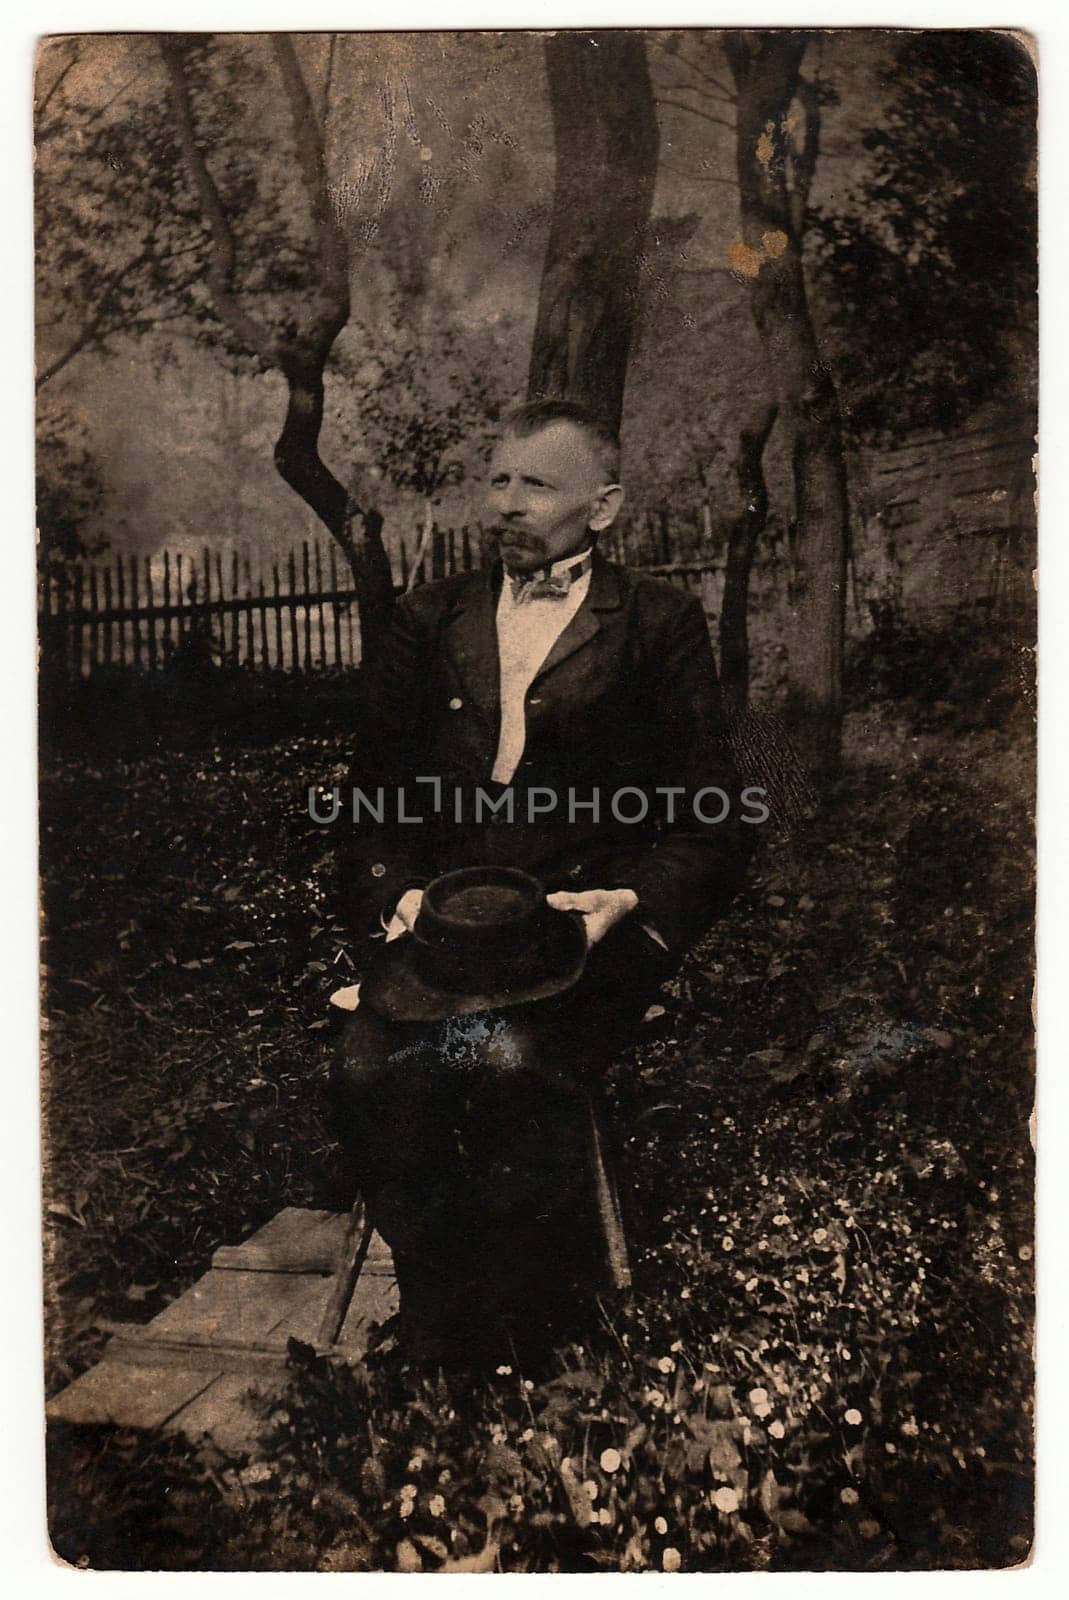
776,144
358,532
300,354
606,140
742,543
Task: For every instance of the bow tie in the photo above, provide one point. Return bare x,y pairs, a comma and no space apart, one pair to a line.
545,584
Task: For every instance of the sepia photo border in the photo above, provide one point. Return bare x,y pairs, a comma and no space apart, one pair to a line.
25,1553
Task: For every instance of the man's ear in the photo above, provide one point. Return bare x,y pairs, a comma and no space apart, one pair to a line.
606,508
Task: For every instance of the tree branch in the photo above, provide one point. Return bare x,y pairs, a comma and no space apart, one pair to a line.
708,77
223,252
297,450
47,101
91,330
680,59
694,88
706,116
93,116
88,334
120,91
308,140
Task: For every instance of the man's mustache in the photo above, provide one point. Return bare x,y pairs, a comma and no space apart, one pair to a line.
507,531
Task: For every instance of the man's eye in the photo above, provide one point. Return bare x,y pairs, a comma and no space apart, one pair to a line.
499,482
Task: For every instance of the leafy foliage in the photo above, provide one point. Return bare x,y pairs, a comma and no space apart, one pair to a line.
122,245
419,387
69,490
423,404
927,267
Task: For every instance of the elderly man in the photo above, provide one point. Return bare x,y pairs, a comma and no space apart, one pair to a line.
557,714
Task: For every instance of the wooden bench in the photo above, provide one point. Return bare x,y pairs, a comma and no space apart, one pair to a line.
206,1365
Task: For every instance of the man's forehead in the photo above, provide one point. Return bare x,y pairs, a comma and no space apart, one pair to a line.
560,448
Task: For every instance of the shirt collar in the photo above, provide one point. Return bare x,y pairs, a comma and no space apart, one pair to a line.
577,564
580,560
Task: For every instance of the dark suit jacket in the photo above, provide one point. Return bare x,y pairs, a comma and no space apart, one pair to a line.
627,698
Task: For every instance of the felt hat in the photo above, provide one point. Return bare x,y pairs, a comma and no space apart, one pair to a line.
484,939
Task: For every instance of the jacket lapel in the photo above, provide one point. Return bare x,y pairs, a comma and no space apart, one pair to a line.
603,595
471,631
471,634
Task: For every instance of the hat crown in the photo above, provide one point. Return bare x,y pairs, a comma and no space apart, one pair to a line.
478,924
478,905
484,938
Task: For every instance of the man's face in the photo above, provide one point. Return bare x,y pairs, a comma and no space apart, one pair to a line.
546,493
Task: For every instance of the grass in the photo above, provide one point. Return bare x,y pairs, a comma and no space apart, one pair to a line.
825,1363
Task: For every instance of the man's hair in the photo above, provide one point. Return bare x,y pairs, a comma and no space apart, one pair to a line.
538,414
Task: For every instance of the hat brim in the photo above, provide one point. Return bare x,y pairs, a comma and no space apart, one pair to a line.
399,993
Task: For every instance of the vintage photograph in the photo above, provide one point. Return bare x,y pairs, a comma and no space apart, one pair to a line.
536,546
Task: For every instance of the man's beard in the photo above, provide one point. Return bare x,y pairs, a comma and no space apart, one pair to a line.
527,552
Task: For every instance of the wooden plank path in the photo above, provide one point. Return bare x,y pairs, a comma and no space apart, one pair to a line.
206,1365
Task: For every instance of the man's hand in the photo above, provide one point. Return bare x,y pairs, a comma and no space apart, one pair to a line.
601,909
404,918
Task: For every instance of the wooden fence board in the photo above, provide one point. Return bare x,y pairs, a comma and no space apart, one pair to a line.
334,610
291,573
250,647
235,618
276,592
306,585
135,604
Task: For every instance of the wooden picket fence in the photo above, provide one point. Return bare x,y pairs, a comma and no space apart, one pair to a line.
152,613
297,614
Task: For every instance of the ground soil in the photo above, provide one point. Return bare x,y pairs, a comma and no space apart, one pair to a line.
827,1168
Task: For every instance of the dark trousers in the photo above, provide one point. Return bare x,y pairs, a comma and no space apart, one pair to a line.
470,1141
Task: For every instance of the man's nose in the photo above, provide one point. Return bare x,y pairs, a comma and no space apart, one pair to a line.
513,501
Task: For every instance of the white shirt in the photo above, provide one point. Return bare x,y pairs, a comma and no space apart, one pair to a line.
526,633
